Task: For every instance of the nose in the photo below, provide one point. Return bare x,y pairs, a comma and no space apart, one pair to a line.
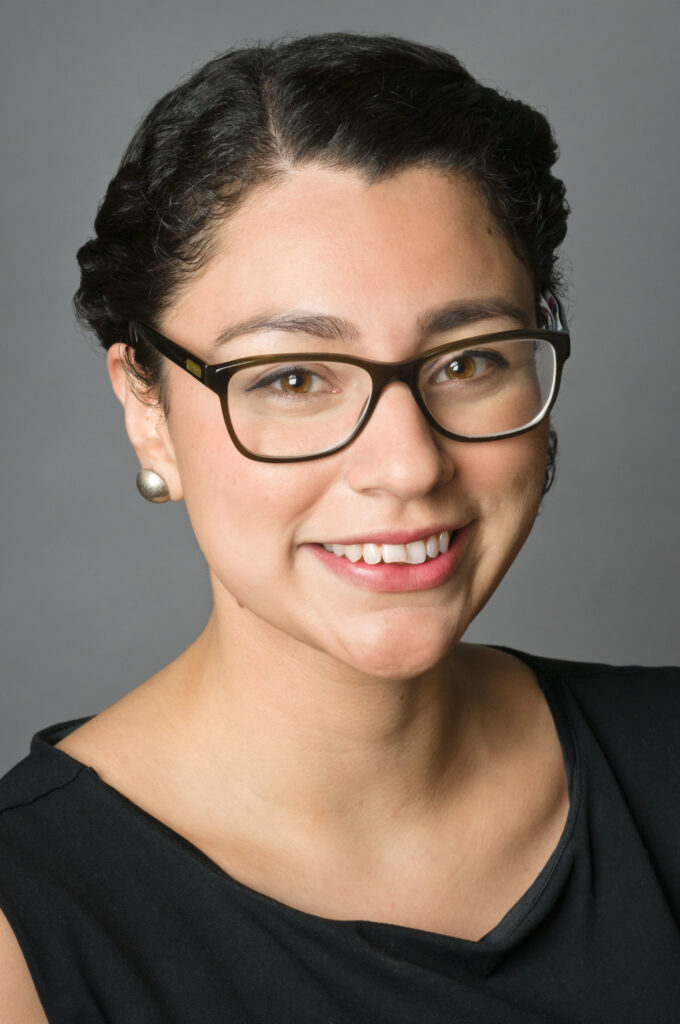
398,452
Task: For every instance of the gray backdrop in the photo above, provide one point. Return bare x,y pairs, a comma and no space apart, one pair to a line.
100,589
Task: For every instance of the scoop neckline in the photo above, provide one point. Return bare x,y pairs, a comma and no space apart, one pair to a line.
494,940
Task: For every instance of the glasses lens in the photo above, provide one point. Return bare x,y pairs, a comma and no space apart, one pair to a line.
296,409
492,388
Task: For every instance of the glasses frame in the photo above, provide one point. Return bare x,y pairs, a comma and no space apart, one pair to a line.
216,376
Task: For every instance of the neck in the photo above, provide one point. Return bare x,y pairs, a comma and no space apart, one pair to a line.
300,737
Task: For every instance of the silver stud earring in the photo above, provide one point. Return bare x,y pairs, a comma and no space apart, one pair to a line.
152,486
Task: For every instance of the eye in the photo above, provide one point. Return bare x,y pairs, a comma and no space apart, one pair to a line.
286,381
467,366
296,382
463,368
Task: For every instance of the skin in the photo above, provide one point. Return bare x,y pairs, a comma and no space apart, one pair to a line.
395,260
330,745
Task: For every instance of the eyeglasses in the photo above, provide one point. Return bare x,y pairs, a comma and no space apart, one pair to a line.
298,406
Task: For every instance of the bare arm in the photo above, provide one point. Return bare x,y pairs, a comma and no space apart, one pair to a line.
18,996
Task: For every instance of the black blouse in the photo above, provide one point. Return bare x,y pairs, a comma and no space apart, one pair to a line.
123,921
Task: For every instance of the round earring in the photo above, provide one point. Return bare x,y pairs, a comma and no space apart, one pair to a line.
152,486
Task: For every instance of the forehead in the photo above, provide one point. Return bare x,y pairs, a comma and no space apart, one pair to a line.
326,240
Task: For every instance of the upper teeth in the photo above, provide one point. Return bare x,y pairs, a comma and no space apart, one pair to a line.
414,553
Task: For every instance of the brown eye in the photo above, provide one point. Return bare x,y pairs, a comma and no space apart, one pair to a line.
296,382
290,382
462,368
474,366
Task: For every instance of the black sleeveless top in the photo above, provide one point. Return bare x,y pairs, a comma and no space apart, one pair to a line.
123,921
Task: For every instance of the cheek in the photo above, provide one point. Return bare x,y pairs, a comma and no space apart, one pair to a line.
506,480
507,476
241,511
203,450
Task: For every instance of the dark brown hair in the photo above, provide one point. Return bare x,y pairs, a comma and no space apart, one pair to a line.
373,104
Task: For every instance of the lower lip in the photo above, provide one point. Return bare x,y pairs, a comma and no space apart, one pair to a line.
391,577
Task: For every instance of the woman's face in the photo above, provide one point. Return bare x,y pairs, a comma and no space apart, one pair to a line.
380,256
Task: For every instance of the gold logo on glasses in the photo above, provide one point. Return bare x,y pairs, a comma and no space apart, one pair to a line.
194,368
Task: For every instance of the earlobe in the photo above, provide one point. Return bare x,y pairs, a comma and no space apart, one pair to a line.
145,422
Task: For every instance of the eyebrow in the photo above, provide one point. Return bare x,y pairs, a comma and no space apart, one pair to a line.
333,328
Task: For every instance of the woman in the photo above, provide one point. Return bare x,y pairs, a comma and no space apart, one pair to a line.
329,808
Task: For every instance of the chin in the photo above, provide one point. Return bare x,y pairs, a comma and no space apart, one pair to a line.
394,646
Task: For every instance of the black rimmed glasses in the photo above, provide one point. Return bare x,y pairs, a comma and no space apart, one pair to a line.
298,406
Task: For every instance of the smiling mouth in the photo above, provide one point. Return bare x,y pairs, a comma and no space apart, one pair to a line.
414,553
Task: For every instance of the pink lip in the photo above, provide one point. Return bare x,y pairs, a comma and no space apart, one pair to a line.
393,577
395,536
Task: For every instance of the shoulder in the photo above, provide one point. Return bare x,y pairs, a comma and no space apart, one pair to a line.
630,711
43,771
599,669
649,688
40,808
630,714
18,996
621,704
39,804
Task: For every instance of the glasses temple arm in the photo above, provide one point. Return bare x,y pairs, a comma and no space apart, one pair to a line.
192,364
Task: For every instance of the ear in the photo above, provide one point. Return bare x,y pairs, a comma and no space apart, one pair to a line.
145,423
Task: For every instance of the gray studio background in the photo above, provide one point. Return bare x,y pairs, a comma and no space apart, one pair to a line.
99,589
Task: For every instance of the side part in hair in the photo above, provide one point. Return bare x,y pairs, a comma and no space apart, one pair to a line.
372,104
